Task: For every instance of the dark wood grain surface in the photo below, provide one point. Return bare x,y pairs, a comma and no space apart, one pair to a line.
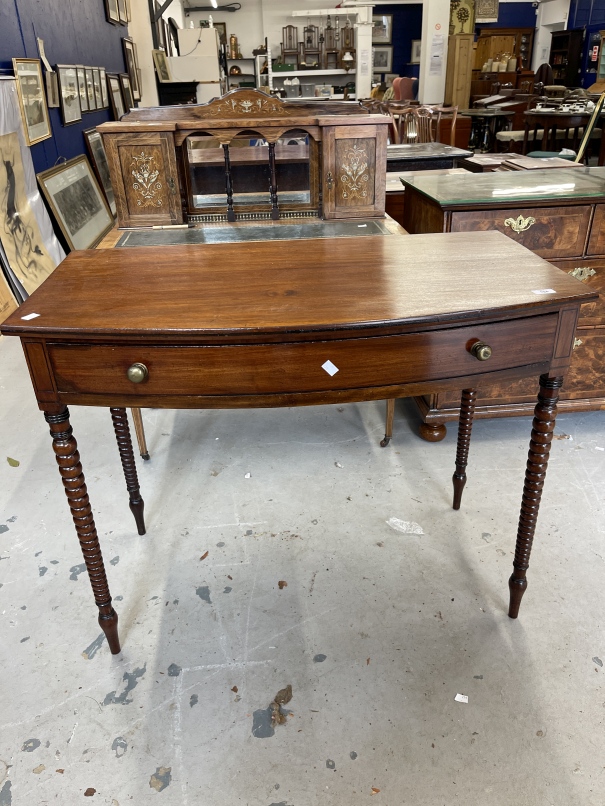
266,287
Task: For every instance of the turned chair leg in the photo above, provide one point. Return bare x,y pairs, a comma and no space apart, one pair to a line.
465,425
543,427
388,428
139,430
137,505
68,459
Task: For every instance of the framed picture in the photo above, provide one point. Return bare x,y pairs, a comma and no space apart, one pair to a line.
52,88
77,202
82,88
382,30
383,58
389,78
71,111
415,57
112,13
221,27
126,91
104,93
130,60
90,89
32,100
96,80
161,66
173,37
98,160
123,12
115,95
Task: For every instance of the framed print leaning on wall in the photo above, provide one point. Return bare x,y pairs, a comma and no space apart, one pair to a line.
69,94
115,95
77,202
98,160
82,88
32,100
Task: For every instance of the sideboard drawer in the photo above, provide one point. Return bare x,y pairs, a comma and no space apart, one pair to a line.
591,272
551,232
301,366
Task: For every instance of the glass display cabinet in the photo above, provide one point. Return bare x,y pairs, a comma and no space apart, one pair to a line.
247,156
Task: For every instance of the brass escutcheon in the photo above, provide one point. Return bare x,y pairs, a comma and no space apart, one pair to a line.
329,180
481,350
577,343
519,224
137,373
582,273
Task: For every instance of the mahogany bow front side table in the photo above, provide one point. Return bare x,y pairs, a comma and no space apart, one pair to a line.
247,325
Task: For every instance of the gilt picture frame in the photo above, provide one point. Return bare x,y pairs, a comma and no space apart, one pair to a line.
32,100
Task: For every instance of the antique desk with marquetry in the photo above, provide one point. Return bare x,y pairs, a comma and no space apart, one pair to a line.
559,215
246,156
246,325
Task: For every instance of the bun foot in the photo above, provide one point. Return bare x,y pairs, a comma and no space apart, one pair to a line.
432,432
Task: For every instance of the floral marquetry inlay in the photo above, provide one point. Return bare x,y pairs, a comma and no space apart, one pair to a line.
146,185
249,104
354,173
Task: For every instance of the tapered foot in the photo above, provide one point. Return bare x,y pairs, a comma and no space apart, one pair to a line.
137,505
388,428
543,427
68,459
432,432
109,624
465,425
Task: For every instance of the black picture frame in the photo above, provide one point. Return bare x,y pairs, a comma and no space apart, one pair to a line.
130,60
126,88
82,87
116,99
112,12
98,160
90,89
69,94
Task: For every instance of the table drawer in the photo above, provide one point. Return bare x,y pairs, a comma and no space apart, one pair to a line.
551,232
299,367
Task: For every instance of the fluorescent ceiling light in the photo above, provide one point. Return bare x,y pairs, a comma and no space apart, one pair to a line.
213,3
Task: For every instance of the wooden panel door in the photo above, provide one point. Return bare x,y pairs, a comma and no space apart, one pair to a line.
145,179
354,176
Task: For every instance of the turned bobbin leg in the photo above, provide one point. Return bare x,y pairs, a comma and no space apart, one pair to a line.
228,183
68,459
388,426
137,505
537,461
465,425
139,430
273,183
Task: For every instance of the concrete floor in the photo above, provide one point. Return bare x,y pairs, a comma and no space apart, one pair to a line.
377,630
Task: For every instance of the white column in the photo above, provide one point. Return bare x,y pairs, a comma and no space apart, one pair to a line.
139,29
435,31
363,69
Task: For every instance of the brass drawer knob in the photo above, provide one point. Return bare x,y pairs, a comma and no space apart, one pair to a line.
481,350
137,373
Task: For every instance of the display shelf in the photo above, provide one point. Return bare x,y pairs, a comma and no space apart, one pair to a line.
339,71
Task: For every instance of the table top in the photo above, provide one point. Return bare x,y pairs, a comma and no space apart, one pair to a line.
395,178
553,184
182,293
426,150
490,112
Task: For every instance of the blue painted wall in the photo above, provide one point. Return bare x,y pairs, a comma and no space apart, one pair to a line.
74,32
589,15
407,25
512,15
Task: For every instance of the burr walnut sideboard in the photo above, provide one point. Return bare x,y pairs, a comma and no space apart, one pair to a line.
559,215
246,156
333,322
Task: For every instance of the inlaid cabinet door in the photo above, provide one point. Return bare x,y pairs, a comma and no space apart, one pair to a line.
144,177
354,175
